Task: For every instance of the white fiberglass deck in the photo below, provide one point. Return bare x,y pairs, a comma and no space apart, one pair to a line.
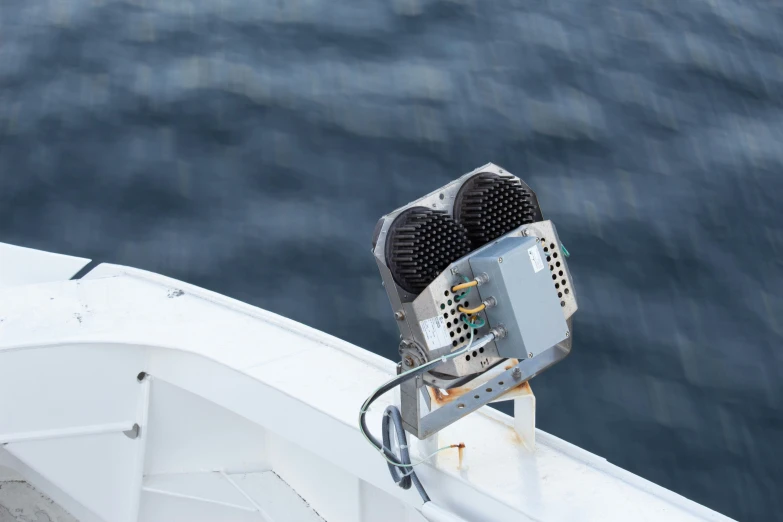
245,415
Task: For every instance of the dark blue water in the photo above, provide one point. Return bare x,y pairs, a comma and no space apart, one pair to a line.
249,147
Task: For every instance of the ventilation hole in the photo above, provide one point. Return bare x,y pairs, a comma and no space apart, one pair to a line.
554,277
453,311
467,357
475,353
562,282
560,273
451,334
560,294
548,259
557,285
476,396
475,331
446,293
500,383
552,246
448,325
467,303
551,267
459,330
446,315
562,303
554,254
558,263
453,343
462,339
546,249
481,350
469,335
442,306
441,196
489,390
460,405
566,290
449,302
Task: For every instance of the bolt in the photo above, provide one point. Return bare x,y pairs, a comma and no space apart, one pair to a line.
399,315
538,240
568,334
133,433
454,270
516,374
408,361
530,355
500,260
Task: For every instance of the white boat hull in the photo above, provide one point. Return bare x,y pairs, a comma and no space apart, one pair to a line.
243,415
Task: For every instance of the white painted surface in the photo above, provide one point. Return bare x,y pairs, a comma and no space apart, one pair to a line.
21,501
25,266
243,391
435,513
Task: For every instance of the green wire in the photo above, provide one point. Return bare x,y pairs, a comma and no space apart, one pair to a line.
466,292
474,326
565,252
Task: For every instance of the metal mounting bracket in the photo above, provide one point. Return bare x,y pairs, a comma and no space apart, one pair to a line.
413,402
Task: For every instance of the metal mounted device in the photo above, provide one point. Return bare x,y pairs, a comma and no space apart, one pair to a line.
476,277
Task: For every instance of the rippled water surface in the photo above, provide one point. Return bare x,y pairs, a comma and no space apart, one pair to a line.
250,146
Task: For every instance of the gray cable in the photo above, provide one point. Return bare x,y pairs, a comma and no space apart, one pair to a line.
392,414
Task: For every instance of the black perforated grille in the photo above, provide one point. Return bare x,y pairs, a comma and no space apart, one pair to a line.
421,244
489,206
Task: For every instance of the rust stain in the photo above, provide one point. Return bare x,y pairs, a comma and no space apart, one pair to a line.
461,448
440,399
511,363
515,438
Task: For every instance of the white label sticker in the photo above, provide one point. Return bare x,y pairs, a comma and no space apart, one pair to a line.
535,259
435,333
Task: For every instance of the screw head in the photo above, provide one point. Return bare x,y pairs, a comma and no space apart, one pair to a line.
500,260
530,355
568,334
516,374
454,270
399,315
408,360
